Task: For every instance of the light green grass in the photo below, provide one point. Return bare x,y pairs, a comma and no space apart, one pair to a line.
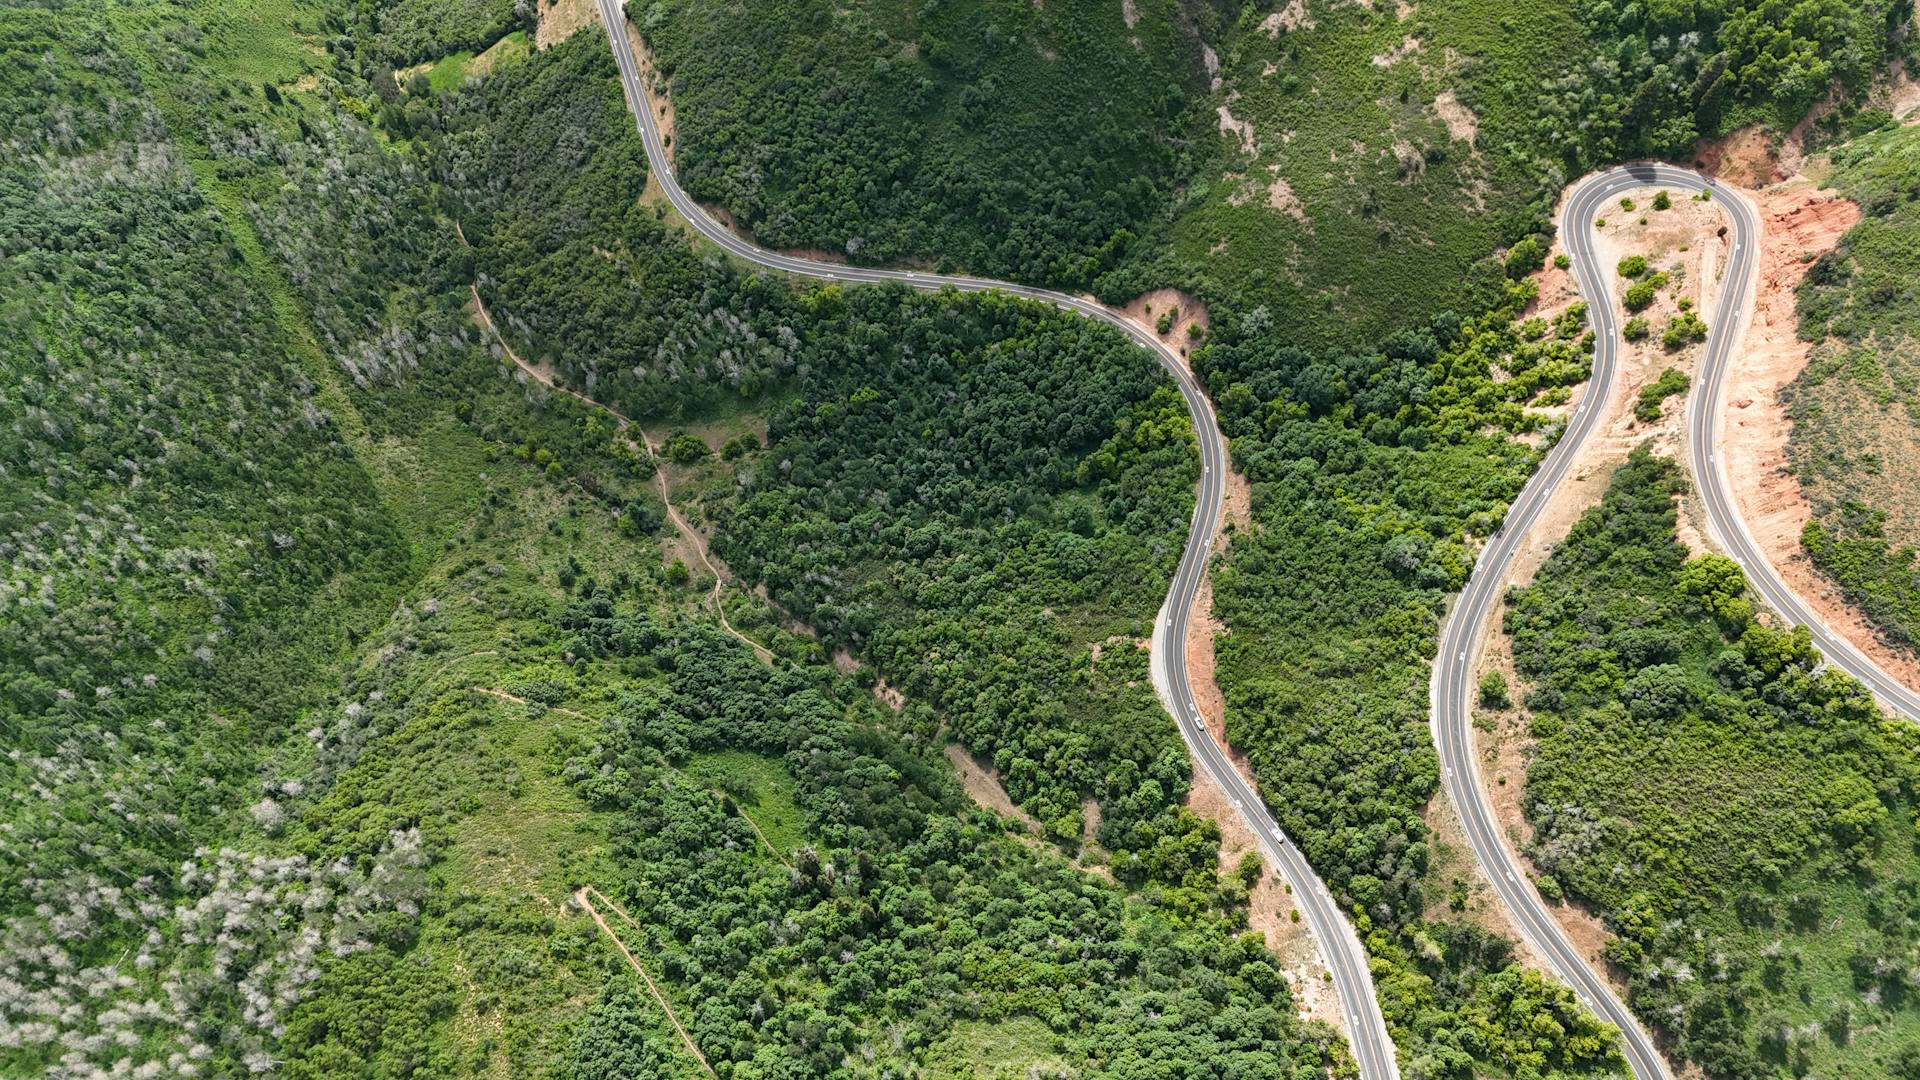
262,41
1814,973
1386,216
762,788
1013,1049
433,479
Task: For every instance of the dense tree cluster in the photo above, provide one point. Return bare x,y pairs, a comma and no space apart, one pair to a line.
187,540
241,318
1661,77
973,496
375,35
543,168
1131,147
1719,794
900,919
1023,142
890,920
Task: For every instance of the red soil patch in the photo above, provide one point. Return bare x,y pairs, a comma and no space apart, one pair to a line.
1796,222
1147,308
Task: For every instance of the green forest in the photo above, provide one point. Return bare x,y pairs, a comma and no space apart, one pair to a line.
1026,142
344,656
1355,167
334,674
1740,814
1855,410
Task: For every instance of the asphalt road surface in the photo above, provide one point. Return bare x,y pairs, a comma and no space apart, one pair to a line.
1452,681
1346,960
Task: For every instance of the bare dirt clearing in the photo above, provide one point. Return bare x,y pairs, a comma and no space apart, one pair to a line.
559,20
982,782
1147,309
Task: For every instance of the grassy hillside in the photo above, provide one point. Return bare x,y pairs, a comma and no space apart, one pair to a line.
1740,814
1366,168
1357,168
1856,415
807,888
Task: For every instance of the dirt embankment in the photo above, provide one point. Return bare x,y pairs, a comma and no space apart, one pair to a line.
1685,243
1270,908
1756,156
1798,224
658,99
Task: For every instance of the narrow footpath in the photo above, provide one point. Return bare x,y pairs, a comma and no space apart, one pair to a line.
688,534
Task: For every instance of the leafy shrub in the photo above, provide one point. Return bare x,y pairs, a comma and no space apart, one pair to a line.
1641,293
1493,690
1671,381
1684,329
1525,257
684,448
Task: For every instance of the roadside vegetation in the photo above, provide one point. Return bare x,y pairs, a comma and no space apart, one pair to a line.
1371,476
1855,409
1740,814
1027,142
1652,401
340,651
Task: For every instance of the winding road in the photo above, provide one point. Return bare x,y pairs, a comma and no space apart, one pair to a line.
1452,683
1460,640
1346,959
1726,529
1452,713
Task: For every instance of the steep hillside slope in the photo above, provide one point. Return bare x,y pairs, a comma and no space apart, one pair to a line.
1856,417
1357,167
342,655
